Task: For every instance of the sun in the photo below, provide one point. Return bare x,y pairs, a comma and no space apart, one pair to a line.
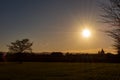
86,33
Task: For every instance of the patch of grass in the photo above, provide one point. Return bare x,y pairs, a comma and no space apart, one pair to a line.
59,71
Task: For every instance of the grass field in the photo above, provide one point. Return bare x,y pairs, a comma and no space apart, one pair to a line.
59,71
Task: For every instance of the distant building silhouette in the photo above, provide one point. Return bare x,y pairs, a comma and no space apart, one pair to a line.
102,52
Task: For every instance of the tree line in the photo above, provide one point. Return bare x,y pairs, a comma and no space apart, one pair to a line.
21,51
61,57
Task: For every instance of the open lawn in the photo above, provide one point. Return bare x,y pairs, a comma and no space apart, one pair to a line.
59,71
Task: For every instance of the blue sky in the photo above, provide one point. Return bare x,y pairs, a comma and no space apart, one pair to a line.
52,25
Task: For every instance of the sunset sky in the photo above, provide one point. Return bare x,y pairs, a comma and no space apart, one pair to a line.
54,25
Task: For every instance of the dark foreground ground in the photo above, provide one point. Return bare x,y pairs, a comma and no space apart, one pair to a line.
59,71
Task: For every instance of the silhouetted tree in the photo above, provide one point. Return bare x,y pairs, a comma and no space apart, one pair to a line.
56,54
111,16
20,46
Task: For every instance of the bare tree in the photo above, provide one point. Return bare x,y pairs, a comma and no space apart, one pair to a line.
20,46
111,16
